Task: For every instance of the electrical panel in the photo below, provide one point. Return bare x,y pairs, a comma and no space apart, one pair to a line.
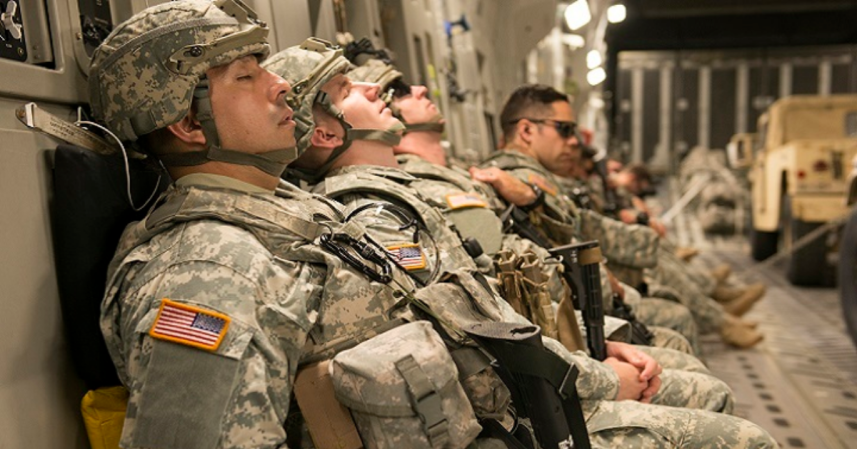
13,43
95,23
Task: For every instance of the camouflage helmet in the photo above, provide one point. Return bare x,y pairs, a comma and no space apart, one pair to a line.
143,76
392,83
376,71
308,67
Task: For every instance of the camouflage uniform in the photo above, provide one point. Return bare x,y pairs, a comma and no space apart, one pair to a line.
254,251
473,207
624,246
354,185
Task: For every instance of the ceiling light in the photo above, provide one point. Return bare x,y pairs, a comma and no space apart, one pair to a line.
616,13
596,76
593,59
577,14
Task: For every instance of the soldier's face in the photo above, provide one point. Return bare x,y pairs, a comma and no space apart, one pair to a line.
249,107
363,108
558,154
416,107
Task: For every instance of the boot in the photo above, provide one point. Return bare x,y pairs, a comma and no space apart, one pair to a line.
737,333
686,254
721,272
741,305
724,294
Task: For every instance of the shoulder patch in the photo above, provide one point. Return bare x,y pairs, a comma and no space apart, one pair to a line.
189,325
543,184
409,255
464,199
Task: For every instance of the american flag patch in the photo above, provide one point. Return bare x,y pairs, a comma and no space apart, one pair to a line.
459,200
548,188
409,256
188,325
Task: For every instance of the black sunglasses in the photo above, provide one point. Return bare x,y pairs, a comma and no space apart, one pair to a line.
564,129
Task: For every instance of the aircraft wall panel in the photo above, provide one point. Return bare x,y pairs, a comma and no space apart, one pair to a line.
722,112
842,79
37,384
651,111
763,90
805,80
687,110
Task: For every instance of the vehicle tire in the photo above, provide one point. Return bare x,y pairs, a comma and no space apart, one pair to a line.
848,274
807,265
762,244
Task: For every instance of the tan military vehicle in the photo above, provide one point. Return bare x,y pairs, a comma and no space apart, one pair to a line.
739,150
798,177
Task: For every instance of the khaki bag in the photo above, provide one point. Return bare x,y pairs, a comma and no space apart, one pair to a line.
403,391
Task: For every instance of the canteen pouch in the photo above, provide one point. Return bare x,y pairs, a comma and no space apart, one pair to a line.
403,391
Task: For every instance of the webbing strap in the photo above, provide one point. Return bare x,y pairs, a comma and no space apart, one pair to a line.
201,204
427,401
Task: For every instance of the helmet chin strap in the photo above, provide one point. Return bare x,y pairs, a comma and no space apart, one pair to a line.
434,124
390,137
271,162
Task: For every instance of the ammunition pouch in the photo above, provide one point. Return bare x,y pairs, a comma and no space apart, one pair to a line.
403,391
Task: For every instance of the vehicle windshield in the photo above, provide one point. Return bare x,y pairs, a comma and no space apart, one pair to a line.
820,123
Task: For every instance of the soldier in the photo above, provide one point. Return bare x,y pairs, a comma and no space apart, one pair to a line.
538,126
468,203
333,148
226,287
636,178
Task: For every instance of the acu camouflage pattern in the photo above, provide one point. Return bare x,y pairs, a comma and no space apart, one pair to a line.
375,71
459,299
403,391
628,424
633,246
358,184
307,71
289,301
131,88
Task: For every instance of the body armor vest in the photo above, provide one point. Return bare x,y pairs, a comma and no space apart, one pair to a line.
395,186
470,206
287,227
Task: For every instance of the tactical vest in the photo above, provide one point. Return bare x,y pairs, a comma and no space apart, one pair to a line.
466,203
285,226
632,246
395,186
560,220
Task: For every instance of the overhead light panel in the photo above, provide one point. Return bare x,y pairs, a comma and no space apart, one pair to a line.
593,59
596,76
616,13
577,14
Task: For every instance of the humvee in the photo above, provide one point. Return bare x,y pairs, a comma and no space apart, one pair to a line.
739,150
798,177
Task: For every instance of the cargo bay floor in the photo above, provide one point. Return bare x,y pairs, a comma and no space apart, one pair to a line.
800,383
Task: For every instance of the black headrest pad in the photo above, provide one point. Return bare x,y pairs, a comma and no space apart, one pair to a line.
89,211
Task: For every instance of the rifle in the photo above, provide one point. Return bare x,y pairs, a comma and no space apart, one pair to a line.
584,279
542,383
581,261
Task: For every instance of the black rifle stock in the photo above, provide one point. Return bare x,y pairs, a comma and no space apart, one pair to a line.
542,383
581,262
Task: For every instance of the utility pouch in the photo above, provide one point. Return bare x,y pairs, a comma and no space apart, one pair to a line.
328,421
403,391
